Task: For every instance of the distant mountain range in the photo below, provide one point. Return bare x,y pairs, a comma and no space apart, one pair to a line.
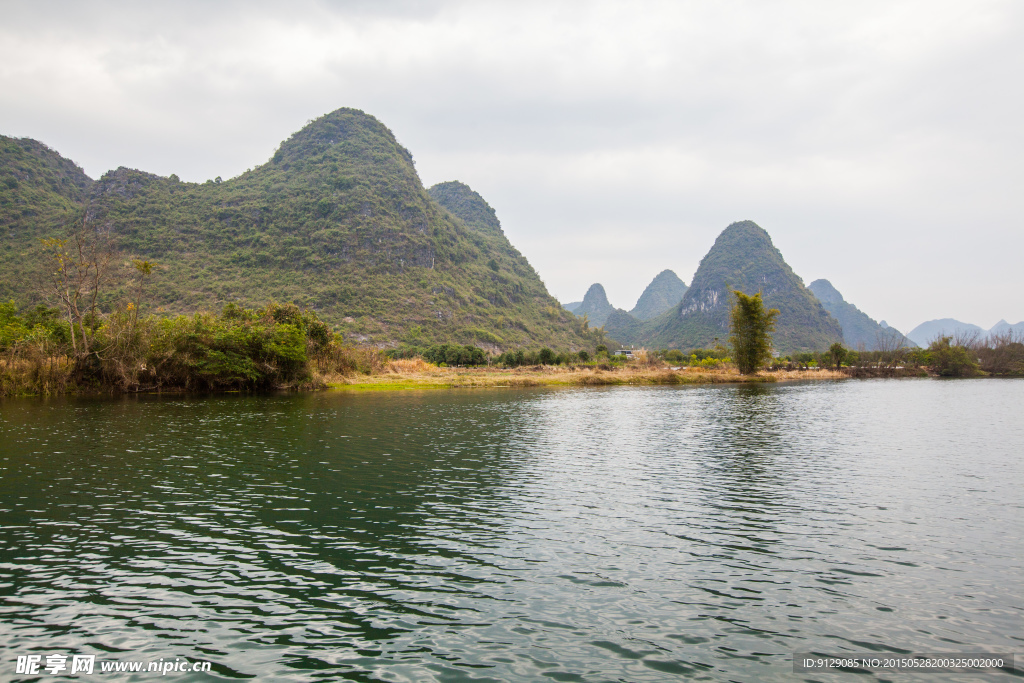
664,292
337,221
671,315
859,330
927,332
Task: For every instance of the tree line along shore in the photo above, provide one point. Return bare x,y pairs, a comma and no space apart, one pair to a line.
47,351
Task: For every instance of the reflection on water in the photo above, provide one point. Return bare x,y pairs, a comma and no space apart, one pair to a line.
597,535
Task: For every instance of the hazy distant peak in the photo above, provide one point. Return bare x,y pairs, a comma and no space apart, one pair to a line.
664,292
596,296
595,305
859,329
825,292
929,331
744,258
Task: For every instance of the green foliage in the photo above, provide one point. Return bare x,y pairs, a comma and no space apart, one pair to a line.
455,354
512,359
701,358
544,356
40,326
952,360
337,221
752,328
40,191
275,346
836,355
463,202
238,349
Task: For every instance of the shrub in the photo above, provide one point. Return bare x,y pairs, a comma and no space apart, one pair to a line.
952,360
455,354
207,352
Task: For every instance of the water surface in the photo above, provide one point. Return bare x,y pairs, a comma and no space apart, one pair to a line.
610,534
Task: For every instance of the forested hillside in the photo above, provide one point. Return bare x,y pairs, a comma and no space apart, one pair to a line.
336,221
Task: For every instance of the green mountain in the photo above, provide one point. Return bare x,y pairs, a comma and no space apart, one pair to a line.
595,306
622,327
39,192
337,221
664,292
744,258
859,330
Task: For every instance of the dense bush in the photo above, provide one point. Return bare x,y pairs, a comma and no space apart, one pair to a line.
454,354
1003,355
37,325
952,360
210,352
514,358
275,346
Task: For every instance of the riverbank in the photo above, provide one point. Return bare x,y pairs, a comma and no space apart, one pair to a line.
417,375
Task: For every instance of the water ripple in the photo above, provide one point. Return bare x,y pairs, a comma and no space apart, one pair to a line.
593,535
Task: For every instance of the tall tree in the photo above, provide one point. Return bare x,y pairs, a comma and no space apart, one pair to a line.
752,328
836,355
79,268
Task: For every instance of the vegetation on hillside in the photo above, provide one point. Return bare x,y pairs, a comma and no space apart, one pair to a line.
665,291
40,192
460,199
337,222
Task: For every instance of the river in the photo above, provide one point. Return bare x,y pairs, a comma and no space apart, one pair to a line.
595,534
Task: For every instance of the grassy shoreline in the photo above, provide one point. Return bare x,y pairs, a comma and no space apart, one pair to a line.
428,377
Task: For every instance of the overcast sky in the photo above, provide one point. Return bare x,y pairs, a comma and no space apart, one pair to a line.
879,143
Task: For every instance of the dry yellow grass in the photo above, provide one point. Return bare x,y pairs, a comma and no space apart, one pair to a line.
820,373
44,376
410,375
408,365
